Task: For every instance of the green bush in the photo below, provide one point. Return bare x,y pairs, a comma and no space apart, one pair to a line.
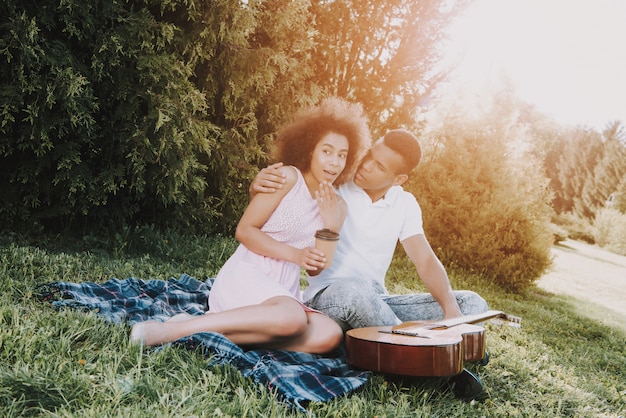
141,112
610,230
484,211
99,117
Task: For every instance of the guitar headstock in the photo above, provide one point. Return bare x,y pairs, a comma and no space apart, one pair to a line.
514,321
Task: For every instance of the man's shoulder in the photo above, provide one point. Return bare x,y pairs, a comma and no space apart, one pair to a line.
348,189
400,196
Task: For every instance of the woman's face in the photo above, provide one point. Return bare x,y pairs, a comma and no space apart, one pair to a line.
329,157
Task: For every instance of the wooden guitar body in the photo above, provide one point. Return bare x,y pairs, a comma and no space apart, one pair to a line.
419,348
379,350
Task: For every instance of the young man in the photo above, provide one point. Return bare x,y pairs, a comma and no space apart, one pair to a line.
380,213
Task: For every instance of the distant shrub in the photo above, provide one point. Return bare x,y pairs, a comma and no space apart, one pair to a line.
483,210
577,228
610,230
559,233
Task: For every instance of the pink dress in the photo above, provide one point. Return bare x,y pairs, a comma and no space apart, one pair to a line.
248,278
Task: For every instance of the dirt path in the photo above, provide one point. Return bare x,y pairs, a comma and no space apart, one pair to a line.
588,272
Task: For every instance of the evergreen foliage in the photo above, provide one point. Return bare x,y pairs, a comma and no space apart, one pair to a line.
586,167
252,65
548,145
485,209
143,111
576,165
161,111
610,170
99,118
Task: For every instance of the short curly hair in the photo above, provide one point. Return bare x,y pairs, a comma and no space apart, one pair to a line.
296,141
405,144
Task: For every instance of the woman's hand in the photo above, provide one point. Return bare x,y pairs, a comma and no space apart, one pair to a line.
330,207
311,259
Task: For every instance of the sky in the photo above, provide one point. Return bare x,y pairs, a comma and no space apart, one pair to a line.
566,57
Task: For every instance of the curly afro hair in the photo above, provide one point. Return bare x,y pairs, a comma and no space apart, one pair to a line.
297,140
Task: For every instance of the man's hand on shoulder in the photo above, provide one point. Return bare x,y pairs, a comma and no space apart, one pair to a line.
269,179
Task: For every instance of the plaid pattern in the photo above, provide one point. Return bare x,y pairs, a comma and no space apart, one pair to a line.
131,300
296,377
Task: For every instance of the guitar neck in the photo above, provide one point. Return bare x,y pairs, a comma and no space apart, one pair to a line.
469,319
466,319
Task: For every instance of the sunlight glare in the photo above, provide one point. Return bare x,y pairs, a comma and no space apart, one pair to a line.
564,56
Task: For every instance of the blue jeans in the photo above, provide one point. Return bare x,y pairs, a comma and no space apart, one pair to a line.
357,303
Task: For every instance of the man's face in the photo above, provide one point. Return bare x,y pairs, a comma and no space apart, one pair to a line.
378,170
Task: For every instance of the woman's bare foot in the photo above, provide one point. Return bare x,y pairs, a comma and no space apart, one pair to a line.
138,334
148,333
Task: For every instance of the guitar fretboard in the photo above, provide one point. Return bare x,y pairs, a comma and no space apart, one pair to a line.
449,323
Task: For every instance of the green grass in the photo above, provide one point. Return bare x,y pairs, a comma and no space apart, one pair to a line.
564,361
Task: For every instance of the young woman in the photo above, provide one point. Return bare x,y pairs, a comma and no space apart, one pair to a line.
255,300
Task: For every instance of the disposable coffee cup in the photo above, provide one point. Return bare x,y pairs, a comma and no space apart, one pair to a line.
326,241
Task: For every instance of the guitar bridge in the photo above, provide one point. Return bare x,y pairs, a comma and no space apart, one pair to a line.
405,332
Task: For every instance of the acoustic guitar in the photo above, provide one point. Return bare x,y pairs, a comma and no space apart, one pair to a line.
422,348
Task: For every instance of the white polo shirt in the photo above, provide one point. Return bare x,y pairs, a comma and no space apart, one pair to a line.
369,235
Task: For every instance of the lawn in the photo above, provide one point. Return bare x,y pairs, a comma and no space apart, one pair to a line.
562,362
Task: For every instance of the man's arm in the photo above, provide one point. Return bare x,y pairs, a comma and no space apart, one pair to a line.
269,179
432,273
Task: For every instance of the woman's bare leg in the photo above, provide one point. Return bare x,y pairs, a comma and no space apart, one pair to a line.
321,336
268,323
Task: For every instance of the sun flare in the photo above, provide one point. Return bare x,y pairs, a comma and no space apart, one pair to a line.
564,56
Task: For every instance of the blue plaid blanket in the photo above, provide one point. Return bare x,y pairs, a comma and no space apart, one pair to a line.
296,377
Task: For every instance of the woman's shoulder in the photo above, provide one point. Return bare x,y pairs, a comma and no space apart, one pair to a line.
291,174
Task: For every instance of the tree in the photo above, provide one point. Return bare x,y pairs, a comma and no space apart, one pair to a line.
99,117
255,79
586,166
610,169
143,111
384,55
575,165
161,111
